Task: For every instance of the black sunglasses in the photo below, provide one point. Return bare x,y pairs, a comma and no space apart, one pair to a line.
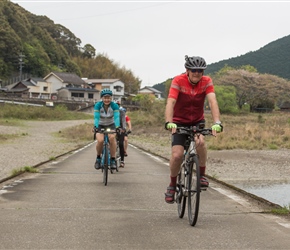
196,70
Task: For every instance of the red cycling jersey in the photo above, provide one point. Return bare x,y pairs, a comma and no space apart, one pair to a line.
189,106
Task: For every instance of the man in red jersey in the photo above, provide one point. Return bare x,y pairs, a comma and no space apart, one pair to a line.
185,107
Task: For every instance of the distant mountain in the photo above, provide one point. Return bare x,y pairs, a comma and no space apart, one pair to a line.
273,58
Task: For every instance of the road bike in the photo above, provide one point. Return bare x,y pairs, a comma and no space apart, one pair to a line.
188,180
106,155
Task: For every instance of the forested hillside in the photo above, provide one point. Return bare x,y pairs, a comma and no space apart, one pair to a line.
271,59
36,45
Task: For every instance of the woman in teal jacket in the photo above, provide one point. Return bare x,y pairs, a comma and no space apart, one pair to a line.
106,116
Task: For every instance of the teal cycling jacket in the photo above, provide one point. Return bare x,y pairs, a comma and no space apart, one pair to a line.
112,116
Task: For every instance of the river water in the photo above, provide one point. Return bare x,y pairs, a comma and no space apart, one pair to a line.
275,193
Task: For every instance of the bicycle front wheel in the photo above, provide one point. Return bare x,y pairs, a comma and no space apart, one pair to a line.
193,185
106,162
180,195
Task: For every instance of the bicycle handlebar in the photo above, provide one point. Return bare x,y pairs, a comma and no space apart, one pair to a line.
193,130
104,131
107,131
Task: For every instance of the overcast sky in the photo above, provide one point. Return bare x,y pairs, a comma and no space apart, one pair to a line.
151,38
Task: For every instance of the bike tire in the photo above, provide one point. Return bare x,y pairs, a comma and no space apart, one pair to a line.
106,165
193,185
180,195
118,158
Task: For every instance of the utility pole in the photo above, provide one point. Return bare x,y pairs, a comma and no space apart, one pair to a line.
21,62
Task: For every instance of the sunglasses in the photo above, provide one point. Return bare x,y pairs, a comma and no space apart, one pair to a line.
196,70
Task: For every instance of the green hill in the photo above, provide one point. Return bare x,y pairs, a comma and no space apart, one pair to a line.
32,45
41,45
273,59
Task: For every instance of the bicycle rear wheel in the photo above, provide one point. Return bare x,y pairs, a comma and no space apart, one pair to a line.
193,185
118,157
180,195
106,162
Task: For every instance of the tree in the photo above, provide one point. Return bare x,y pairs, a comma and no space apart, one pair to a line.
66,38
146,101
89,51
101,67
253,88
36,60
72,67
226,97
167,86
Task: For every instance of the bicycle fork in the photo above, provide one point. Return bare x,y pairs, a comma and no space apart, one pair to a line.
183,181
188,165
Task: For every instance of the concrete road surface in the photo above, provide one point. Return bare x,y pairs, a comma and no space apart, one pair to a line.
66,206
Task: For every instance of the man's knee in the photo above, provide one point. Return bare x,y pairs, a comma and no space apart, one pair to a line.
177,156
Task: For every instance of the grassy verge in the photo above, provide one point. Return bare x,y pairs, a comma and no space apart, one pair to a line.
246,131
285,210
81,133
10,113
26,169
15,115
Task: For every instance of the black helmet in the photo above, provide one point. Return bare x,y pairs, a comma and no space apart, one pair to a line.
194,62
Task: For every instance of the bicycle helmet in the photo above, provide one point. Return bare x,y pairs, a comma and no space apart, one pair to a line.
106,92
195,62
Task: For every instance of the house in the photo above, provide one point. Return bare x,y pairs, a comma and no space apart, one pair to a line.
78,94
115,85
69,86
31,88
147,90
39,88
63,79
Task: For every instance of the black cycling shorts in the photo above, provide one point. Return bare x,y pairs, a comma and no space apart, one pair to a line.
178,139
111,126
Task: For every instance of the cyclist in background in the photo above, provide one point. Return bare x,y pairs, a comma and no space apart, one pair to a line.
185,107
121,134
128,122
106,116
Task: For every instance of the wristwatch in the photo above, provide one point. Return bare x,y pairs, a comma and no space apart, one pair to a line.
218,122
